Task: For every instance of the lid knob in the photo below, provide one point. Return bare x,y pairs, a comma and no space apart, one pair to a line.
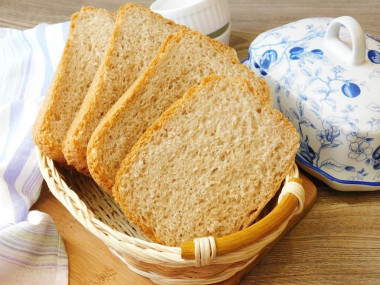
354,55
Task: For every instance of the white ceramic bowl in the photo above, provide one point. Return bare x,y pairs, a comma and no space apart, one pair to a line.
324,75
223,34
205,16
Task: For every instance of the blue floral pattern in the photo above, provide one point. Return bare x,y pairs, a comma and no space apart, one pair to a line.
332,108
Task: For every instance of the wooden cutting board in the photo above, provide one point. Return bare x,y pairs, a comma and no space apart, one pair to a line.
91,262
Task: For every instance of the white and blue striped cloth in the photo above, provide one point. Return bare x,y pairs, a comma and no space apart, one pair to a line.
31,249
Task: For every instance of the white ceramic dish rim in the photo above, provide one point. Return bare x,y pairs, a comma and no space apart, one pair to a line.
338,184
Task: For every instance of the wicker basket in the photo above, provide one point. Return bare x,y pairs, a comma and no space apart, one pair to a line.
202,261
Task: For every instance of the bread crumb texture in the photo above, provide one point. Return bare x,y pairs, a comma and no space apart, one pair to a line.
209,165
184,59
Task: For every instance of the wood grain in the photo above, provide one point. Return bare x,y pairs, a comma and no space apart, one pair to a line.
338,242
90,261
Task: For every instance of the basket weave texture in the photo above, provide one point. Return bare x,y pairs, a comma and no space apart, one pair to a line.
100,214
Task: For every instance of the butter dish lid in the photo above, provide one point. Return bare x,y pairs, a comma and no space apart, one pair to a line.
324,76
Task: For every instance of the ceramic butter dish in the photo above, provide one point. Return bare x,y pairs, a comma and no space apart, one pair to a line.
324,76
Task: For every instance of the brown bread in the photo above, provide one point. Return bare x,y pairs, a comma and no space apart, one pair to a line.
136,38
184,59
208,165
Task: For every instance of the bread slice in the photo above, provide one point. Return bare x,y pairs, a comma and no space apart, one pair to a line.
184,59
209,165
136,38
86,45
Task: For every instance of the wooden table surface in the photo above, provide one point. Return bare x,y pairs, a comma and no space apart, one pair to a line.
338,242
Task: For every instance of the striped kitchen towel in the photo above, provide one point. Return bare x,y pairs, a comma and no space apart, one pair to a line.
31,249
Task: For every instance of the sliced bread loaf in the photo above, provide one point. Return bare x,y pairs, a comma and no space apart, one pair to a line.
208,165
136,38
184,59
86,45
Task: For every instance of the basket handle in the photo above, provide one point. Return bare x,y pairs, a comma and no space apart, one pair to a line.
287,207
